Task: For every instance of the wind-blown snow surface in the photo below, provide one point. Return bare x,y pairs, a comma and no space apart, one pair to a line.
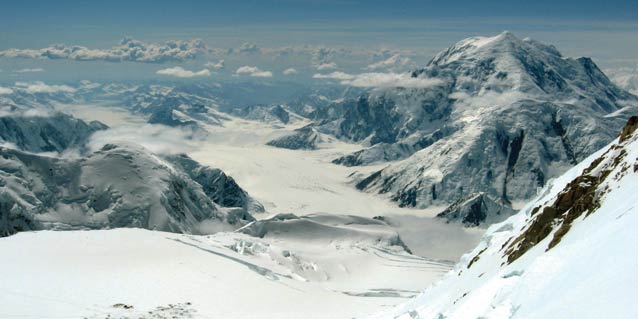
567,254
86,274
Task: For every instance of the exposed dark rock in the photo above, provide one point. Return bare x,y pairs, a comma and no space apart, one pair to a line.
477,209
305,138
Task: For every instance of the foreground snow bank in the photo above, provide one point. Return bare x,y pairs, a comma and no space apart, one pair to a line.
137,273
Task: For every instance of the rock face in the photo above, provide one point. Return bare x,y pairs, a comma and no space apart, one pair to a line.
54,133
173,106
121,185
264,113
503,117
477,209
305,138
584,218
219,187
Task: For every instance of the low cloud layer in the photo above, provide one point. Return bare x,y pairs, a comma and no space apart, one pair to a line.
290,71
4,90
393,62
32,70
158,139
326,66
127,50
380,80
41,87
216,65
253,71
183,73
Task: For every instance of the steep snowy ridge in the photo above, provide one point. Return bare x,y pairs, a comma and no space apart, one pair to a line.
567,254
509,115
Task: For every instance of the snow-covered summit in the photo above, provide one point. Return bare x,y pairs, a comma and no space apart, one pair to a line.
509,115
567,254
501,45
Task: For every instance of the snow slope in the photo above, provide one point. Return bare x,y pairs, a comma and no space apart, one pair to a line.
567,254
101,273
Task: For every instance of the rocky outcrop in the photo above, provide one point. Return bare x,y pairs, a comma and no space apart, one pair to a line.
477,209
55,133
220,188
305,138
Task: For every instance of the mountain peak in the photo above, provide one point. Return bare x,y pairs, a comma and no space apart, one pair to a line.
479,46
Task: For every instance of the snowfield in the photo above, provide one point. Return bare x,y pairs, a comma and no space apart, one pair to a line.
315,264
83,274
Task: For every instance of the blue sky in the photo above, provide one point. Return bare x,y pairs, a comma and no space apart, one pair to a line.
604,30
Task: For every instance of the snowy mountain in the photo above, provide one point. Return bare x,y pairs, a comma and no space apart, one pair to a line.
501,115
46,133
569,246
120,185
304,138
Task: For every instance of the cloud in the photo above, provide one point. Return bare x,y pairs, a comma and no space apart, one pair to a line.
216,66
41,87
183,73
392,62
322,55
253,71
326,66
158,139
334,76
626,78
29,70
4,90
290,71
127,50
380,80
249,48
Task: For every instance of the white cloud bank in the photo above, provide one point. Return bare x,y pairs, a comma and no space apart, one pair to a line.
4,90
253,71
127,50
290,71
395,61
158,139
183,73
380,80
34,70
216,66
326,66
41,87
